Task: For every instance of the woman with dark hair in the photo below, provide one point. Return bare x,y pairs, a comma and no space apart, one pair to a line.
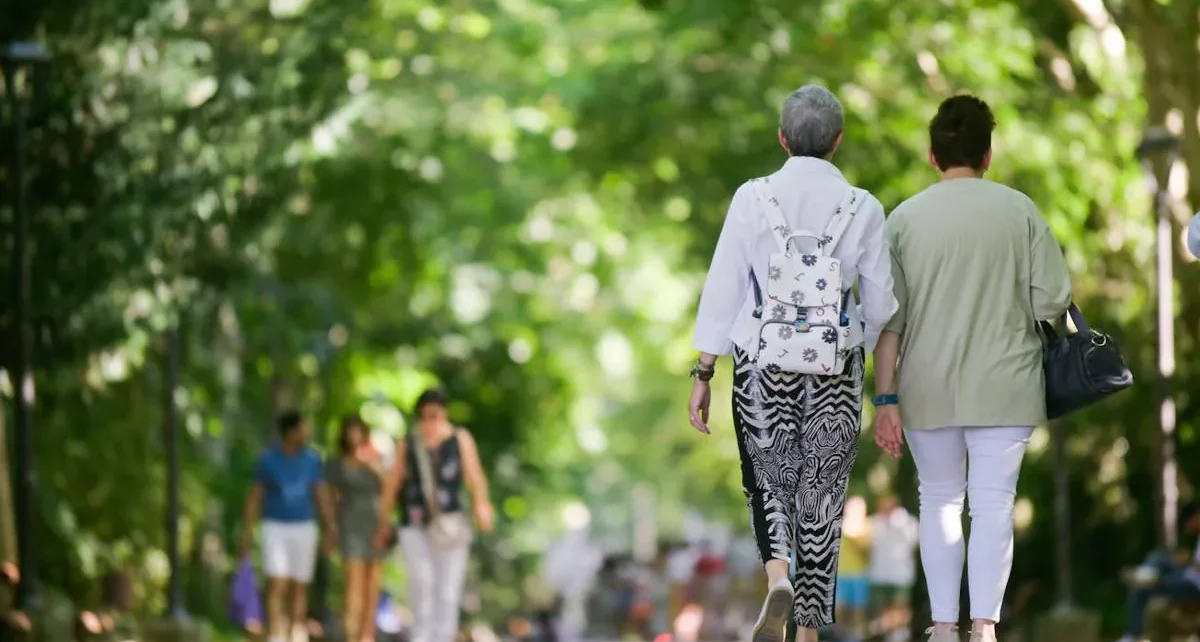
357,477
958,369
433,463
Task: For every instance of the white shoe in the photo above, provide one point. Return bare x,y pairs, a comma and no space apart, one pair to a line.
941,637
773,619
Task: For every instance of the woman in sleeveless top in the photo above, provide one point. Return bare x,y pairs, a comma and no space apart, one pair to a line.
357,478
433,463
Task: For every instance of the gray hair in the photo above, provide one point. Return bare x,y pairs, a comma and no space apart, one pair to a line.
811,120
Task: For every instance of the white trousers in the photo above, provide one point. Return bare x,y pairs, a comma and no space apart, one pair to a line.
979,464
435,584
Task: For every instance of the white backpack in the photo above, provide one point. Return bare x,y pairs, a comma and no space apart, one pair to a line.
803,328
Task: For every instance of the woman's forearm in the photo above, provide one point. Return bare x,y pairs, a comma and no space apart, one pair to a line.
887,352
391,487
478,487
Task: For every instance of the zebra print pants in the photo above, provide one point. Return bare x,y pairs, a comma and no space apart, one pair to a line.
798,437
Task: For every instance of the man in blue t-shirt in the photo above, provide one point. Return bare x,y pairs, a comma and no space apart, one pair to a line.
289,489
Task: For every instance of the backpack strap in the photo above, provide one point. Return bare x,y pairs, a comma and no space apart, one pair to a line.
770,207
853,200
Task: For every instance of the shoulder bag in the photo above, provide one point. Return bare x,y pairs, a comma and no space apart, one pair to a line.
1082,368
444,531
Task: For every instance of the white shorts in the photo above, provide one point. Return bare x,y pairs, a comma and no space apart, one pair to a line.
290,550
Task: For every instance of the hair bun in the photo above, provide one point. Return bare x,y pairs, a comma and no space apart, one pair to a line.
957,123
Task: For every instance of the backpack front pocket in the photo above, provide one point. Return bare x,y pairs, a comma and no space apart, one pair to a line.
806,348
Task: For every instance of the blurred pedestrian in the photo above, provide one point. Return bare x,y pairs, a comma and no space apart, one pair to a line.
797,424
609,602
356,476
975,267
288,490
1177,581
433,464
894,533
568,572
680,570
853,587
711,582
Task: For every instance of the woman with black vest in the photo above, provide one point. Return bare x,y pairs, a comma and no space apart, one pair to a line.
433,463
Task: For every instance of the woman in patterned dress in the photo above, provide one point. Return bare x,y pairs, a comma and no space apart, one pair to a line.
357,476
797,434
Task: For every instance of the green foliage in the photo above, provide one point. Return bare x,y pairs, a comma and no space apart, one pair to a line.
517,198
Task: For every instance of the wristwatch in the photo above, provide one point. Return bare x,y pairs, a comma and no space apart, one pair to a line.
885,400
702,372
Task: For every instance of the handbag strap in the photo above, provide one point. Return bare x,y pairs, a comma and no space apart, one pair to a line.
425,476
1081,324
1074,314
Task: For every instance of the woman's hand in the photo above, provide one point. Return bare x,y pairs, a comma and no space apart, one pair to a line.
889,430
698,405
485,517
382,536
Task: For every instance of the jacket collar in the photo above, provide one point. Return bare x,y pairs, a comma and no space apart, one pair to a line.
807,165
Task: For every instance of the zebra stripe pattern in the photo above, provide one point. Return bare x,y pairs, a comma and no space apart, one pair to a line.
798,438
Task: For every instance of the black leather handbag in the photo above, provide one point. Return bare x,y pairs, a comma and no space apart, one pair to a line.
1081,368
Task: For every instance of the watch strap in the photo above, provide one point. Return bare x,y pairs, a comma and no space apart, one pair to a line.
885,400
702,373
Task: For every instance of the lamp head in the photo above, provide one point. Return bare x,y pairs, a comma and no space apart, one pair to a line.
1156,140
24,52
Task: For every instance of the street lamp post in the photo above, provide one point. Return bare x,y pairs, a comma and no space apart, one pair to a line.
175,608
13,57
1062,517
1160,146
324,351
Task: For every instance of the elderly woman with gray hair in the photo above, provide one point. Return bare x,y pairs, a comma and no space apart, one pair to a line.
779,299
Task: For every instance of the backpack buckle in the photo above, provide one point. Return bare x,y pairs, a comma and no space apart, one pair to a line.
802,321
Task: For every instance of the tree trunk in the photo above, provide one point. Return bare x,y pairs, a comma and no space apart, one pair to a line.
8,533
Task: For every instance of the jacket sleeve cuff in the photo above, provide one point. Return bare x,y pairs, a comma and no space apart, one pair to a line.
712,345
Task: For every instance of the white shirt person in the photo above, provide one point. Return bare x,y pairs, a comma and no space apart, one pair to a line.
797,433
